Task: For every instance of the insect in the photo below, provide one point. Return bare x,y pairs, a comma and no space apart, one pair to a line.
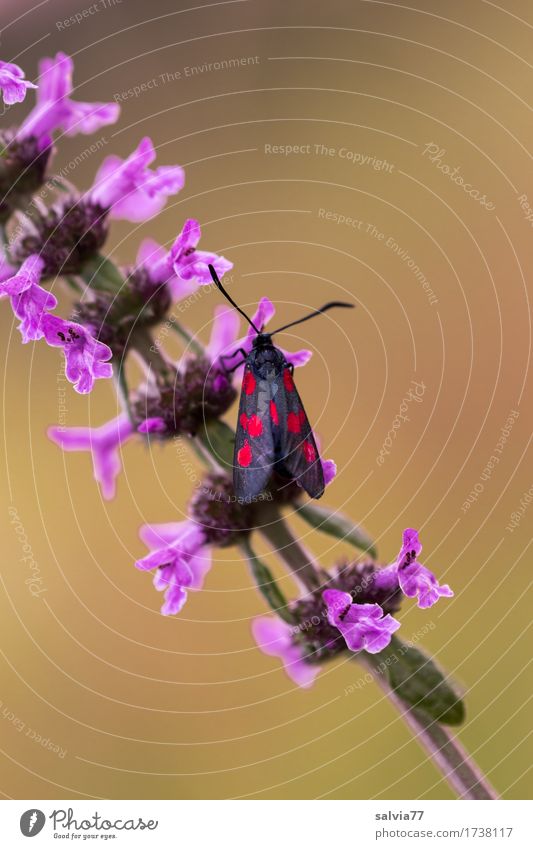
273,431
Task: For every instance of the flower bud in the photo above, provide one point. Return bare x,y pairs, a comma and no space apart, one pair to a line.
22,172
65,236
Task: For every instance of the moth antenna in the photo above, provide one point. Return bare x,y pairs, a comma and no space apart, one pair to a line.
217,283
325,308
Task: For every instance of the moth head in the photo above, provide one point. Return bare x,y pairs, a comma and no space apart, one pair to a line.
261,340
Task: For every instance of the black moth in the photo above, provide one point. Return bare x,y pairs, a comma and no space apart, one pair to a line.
273,431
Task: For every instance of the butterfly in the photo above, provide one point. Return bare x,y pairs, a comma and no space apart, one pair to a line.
273,432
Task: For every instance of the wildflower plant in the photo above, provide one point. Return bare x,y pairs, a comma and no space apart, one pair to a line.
353,609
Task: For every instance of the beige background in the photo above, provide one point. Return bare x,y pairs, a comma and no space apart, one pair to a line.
186,707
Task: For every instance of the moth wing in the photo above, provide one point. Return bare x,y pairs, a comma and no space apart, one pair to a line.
254,441
298,451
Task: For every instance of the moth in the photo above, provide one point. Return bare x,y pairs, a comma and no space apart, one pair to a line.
273,431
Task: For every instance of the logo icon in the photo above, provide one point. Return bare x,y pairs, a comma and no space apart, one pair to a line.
32,822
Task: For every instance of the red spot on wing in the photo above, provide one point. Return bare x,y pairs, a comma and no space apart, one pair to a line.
301,416
274,413
309,451
244,454
288,381
255,426
294,423
248,383
243,419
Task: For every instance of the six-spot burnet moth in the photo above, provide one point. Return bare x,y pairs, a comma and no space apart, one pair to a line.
273,431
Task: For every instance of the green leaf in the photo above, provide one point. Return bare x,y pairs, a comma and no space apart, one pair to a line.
266,584
418,681
219,441
102,274
337,525
73,283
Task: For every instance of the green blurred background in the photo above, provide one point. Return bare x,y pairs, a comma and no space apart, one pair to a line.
150,707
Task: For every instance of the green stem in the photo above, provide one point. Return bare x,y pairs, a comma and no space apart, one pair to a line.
266,584
186,336
73,283
61,185
337,525
448,755
121,384
204,454
278,534
150,354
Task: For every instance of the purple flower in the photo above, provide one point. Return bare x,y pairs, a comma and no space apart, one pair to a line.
274,637
12,83
6,270
155,260
363,626
329,469
56,111
155,424
103,442
418,582
85,357
411,545
157,263
162,267
188,263
130,189
414,580
30,302
223,337
181,557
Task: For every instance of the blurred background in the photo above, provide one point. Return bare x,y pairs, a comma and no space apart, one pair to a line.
389,105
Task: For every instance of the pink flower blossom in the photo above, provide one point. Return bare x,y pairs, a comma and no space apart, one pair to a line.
130,189
414,579
29,301
103,442
85,358
55,110
189,263
182,558
275,638
363,626
178,271
12,83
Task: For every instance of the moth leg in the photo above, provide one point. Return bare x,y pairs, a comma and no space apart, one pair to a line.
234,368
224,357
230,356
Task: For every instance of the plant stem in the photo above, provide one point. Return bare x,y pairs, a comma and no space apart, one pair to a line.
204,454
456,765
266,584
186,336
293,554
150,353
122,388
73,283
